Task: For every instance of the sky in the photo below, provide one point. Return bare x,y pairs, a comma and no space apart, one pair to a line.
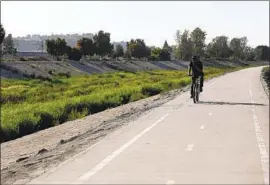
153,21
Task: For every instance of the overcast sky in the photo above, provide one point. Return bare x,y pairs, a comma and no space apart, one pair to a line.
152,21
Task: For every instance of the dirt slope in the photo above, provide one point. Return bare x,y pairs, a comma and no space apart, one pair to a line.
48,68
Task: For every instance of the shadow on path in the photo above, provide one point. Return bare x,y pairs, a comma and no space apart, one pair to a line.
229,103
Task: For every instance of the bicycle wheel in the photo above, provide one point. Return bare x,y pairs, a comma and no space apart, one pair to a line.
198,89
194,92
197,93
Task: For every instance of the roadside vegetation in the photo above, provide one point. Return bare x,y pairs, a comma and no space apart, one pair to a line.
266,76
32,105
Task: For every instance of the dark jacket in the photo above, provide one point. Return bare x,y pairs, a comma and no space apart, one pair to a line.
197,68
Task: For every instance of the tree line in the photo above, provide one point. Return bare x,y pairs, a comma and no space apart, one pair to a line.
187,44
6,43
220,48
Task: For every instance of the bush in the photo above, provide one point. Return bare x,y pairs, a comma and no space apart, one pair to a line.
50,72
151,90
23,59
266,75
153,58
74,54
67,74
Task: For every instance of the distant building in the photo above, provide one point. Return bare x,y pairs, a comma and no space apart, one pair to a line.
33,43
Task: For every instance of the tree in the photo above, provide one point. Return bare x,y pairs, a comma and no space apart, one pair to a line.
175,51
102,42
127,54
51,47
119,51
61,47
2,33
262,53
176,48
198,39
138,48
165,55
166,46
155,53
74,53
209,51
237,45
86,46
57,48
249,54
218,48
186,46
8,45
159,54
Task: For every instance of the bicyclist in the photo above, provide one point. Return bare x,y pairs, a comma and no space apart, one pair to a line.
197,71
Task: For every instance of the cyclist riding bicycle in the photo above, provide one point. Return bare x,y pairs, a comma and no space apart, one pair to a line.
197,71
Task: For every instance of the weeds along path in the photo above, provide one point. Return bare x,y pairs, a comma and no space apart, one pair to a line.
265,79
40,104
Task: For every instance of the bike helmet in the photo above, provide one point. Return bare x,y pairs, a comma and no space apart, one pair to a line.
196,57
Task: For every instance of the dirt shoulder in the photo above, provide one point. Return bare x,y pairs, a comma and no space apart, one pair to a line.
28,157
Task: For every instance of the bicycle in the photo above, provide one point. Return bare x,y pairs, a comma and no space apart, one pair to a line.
196,90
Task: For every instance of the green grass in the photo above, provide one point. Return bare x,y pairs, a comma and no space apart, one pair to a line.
32,105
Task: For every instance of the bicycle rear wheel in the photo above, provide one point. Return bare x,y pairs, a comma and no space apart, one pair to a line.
194,92
198,89
197,94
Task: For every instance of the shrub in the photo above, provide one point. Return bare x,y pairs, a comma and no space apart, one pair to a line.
266,75
74,54
50,72
23,59
151,90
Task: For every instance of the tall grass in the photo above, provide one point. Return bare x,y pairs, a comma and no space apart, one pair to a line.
32,105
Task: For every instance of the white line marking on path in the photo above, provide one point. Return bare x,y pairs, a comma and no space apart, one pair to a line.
170,182
108,159
202,127
260,140
212,84
189,147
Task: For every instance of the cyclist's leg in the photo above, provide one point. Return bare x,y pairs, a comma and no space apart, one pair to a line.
191,89
201,82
